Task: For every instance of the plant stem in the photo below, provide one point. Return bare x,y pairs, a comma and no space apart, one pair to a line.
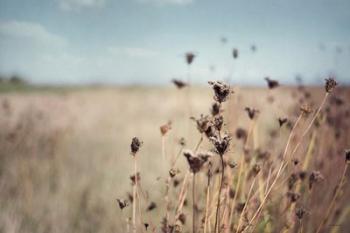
194,203
217,219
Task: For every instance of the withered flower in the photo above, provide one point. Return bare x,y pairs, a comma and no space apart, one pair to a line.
215,109
189,57
251,112
221,144
151,206
255,169
282,121
300,213
305,109
135,145
293,178
271,83
293,197
196,162
241,133
221,91
134,177
179,84
122,203
218,122
182,218
314,177
165,128
347,155
182,141
203,123
330,84
235,53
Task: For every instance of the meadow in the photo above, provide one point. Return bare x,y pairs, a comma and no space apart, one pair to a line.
66,164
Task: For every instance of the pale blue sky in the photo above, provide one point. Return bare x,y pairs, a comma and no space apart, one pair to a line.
143,41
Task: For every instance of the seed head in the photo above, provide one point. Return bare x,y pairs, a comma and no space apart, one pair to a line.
135,178
165,128
135,145
271,83
305,109
221,144
293,197
182,141
189,57
251,112
315,177
282,121
241,133
203,123
221,91
215,109
196,162
218,122
122,203
151,206
330,84
255,169
235,53
347,155
179,83
300,212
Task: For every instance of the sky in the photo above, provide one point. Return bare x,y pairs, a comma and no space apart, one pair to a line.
144,41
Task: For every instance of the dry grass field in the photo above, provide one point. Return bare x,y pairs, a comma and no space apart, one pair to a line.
65,160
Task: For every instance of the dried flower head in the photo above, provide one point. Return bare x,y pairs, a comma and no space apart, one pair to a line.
300,212
135,145
271,83
215,109
182,218
135,178
182,141
315,177
293,197
241,133
179,84
330,84
151,206
221,91
146,225
203,123
282,121
165,128
293,178
255,169
122,203
235,53
305,109
221,144
196,162
251,112
218,122
347,155
189,57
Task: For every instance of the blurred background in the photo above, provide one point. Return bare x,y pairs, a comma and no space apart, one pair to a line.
80,78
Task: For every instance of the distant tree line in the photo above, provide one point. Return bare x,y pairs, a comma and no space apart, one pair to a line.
13,79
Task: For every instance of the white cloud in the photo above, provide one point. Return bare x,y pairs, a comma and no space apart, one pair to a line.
30,32
132,52
76,5
168,2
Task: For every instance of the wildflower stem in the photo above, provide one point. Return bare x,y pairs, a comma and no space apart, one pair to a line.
194,203
134,196
332,203
217,219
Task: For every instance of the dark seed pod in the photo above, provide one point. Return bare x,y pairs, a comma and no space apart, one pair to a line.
293,197
122,203
271,83
330,84
215,109
241,134
221,91
135,145
221,144
189,57
300,212
347,156
314,177
178,83
282,121
151,206
251,112
196,162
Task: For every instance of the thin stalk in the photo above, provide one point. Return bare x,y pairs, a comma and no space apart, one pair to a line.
194,203
134,196
207,206
332,203
217,220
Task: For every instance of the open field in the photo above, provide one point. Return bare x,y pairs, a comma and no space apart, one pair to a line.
65,157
